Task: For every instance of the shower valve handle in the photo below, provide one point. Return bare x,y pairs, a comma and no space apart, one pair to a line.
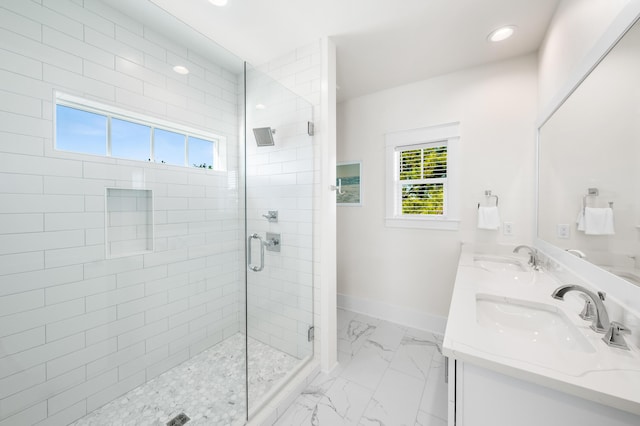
272,216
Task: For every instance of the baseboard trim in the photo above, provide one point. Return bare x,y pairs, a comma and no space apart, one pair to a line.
399,315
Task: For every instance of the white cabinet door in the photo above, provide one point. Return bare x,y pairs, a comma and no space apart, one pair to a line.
486,398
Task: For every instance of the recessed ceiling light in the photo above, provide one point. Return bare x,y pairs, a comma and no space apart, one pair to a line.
218,2
260,106
502,33
180,69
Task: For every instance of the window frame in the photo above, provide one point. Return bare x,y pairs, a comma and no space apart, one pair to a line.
395,142
110,112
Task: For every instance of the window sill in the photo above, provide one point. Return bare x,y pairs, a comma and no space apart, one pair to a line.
423,223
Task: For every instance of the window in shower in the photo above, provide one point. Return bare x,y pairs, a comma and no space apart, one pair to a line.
168,147
422,177
81,131
200,153
130,140
87,127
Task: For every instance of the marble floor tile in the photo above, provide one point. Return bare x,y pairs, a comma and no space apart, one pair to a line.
344,318
425,419
387,375
356,333
414,357
319,386
434,399
344,359
425,335
345,346
395,402
367,367
387,337
300,412
343,404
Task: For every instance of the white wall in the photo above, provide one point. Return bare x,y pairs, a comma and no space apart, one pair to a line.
415,269
576,27
76,329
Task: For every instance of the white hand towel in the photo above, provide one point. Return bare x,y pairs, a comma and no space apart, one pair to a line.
598,221
488,218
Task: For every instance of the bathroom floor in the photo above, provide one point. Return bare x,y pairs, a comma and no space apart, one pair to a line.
209,388
388,375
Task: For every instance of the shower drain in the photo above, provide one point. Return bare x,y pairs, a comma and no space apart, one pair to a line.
178,420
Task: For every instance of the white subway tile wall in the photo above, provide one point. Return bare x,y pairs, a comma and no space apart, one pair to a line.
78,327
128,222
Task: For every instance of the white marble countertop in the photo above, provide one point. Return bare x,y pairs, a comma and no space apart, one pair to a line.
601,373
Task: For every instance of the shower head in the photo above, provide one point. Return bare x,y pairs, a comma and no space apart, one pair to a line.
264,136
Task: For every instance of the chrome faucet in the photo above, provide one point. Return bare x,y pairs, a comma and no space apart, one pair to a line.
601,319
534,260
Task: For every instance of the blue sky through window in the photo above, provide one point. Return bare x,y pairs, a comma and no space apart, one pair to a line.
200,152
130,140
80,131
168,147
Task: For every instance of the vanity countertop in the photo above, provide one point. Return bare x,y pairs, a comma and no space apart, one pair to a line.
583,366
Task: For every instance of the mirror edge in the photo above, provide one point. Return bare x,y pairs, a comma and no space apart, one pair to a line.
618,28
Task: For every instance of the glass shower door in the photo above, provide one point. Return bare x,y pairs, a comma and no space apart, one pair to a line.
279,222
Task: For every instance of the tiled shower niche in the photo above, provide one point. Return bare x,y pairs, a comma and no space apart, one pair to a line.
128,222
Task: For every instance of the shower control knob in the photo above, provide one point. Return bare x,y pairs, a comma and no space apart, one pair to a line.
271,216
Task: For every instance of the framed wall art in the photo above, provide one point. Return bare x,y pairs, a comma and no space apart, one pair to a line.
349,184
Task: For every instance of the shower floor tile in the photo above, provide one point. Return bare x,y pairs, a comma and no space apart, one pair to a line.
209,388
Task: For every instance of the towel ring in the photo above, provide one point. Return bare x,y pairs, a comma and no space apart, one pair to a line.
591,192
487,193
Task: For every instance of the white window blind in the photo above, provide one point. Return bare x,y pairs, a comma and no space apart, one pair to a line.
422,179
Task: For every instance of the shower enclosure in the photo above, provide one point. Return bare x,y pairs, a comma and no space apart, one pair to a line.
155,252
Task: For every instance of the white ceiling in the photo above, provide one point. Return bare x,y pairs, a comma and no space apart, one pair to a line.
380,43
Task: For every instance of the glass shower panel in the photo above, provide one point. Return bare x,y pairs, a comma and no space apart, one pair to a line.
279,216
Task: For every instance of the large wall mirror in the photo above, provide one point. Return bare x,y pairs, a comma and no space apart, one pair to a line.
589,165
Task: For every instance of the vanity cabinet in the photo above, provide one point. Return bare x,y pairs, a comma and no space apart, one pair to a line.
481,397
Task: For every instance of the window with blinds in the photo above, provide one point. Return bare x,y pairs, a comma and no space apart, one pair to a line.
422,179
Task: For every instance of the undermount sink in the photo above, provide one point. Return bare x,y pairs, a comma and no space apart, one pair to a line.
536,323
499,263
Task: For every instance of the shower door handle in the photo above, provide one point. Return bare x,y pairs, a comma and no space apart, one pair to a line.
259,238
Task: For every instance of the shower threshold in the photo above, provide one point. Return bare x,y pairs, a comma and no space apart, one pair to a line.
209,388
